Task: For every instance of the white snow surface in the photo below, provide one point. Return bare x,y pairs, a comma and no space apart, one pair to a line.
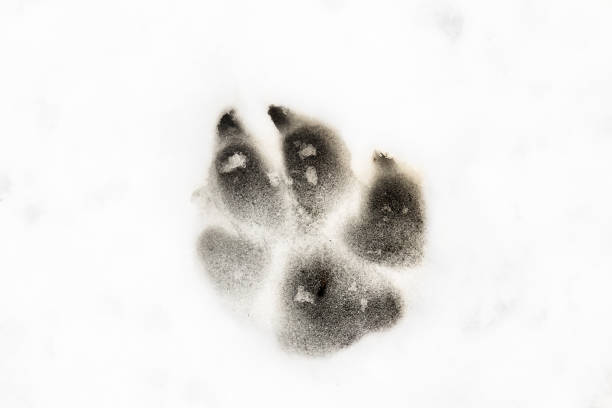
107,119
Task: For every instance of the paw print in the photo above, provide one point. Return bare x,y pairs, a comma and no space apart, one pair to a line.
309,240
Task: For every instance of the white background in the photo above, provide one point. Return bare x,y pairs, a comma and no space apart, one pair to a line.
107,114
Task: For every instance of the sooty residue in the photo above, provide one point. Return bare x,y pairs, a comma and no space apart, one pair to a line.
328,298
390,228
243,177
234,264
327,304
316,160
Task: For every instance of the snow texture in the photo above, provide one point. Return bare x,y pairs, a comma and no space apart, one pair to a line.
107,116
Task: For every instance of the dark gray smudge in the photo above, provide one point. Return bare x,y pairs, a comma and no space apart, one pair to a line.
390,228
242,176
234,264
326,301
327,304
316,160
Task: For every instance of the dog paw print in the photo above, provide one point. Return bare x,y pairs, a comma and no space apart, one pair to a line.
308,238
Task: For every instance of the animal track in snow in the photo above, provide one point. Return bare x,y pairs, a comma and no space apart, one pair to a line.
289,235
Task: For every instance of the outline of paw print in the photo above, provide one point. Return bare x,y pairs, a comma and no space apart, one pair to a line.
311,241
